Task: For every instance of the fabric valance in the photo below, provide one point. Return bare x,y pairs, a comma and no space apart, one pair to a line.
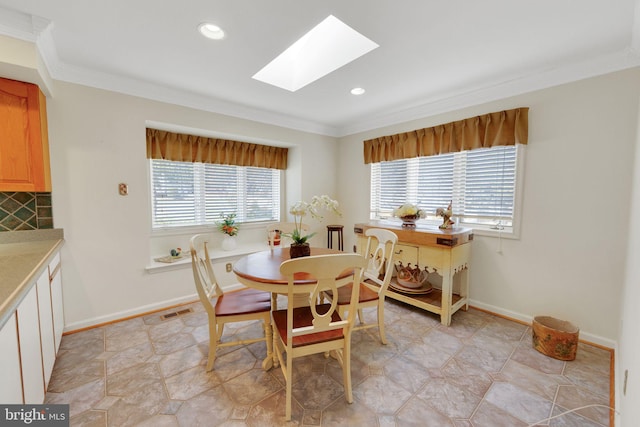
489,130
191,148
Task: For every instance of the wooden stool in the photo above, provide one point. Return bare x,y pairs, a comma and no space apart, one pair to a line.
330,230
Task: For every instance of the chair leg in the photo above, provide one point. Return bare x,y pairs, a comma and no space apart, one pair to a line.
213,345
360,316
346,370
383,338
288,381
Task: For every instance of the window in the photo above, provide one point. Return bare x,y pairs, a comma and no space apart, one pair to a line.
188,194
481,184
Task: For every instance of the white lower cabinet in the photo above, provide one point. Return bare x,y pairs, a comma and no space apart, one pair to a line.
30,348
55,283
11,389
46,326
30,339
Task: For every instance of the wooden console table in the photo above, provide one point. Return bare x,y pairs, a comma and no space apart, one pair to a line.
445,254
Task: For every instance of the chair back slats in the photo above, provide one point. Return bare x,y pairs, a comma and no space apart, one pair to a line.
325,269
381,257
238,306
203,276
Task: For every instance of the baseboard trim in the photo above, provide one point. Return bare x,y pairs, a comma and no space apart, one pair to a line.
95,322
120,316
585,337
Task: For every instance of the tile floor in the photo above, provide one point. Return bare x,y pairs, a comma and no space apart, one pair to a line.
480,371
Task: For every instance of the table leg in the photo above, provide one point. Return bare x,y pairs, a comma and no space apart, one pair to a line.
447,291
276,363
268,362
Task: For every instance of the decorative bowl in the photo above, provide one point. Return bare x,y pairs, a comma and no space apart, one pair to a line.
409,220
411,277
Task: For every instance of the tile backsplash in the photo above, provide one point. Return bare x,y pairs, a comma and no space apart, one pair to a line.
25,211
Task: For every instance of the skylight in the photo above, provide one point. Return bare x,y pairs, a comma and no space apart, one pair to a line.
328,46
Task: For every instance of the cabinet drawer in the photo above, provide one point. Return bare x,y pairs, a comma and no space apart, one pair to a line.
405,253
434,258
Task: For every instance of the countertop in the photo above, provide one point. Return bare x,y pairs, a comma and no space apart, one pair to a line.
24,255
421,235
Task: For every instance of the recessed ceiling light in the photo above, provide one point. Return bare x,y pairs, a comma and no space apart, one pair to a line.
357,91
211,31
328,46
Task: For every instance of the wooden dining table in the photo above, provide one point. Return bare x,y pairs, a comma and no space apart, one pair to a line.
261,270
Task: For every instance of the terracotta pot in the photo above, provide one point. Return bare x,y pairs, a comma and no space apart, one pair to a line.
299,250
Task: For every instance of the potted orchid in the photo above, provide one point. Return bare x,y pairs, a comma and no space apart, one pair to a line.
300,245
409,214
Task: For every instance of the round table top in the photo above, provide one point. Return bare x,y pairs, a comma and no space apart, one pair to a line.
264,266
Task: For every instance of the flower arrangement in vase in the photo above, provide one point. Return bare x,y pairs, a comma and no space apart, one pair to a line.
228,227
409,214
299,243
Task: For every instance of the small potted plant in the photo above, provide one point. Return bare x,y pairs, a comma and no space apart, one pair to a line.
227,226
300,245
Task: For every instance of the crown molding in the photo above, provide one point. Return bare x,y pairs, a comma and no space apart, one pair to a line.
540,79
18,25
38,30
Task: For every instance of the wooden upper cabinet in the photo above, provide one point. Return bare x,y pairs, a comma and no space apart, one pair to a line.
24,142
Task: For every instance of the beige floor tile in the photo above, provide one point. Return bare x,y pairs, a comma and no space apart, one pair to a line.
90,419
381,395
251,387
481,371
449,398
190,383
519,403
571,397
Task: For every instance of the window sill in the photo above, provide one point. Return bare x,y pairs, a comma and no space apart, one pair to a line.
215,254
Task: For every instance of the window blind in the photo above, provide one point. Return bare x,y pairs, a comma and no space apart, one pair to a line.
480,183
189,194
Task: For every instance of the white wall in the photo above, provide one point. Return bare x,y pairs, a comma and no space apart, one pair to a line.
569,260
628,356
97,140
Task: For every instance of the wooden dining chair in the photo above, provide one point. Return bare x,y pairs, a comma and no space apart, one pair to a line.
376,279
236,306
316,328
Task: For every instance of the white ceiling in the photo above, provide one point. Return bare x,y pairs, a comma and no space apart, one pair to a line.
434,56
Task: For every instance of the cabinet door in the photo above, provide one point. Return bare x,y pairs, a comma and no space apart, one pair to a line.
55,273
46,326
11,389
24,152
30,349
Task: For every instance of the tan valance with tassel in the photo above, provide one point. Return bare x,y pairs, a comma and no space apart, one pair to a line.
191,148
489,130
